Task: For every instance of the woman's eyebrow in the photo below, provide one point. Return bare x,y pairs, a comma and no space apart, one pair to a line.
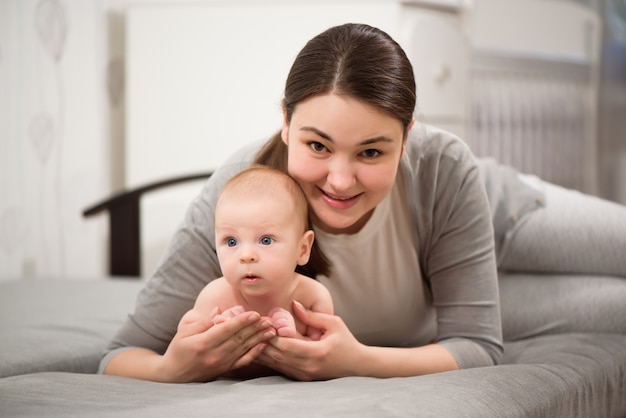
368,141
317,132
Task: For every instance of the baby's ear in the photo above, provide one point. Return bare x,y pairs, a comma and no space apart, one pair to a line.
306,242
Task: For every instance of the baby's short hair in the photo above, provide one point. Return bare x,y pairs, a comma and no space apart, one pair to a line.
264,182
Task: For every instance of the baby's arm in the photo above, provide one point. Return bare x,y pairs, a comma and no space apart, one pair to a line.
317,299
207,304
323,302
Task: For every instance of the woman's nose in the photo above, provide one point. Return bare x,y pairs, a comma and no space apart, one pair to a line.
341,175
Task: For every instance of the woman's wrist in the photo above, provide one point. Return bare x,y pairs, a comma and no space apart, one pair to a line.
384,362
160,369
140,363
369,361
359,361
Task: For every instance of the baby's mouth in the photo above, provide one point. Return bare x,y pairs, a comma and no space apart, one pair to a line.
251,278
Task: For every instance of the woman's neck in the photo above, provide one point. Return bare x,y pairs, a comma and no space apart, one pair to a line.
350,230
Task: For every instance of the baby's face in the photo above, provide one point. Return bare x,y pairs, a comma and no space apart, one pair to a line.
259,242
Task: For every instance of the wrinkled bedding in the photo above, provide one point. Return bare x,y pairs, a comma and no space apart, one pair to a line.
53,332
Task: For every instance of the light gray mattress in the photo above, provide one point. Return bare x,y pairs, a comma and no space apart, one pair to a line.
52,333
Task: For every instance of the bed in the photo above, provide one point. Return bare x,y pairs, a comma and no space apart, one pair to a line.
52,333
53,330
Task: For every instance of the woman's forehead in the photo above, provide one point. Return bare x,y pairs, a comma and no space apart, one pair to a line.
333,116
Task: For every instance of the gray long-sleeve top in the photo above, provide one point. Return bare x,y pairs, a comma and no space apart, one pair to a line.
447,193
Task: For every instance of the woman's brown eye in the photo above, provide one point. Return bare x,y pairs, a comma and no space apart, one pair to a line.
317,147
371,153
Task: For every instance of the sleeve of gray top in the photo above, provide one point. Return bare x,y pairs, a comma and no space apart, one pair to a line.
189,263
457,254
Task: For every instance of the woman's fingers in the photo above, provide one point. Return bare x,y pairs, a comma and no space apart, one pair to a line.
247,343
334,355
191,323
247,337
249,356
228,314
241,333
318,320
201,351
297,361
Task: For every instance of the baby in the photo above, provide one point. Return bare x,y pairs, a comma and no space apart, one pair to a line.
261,234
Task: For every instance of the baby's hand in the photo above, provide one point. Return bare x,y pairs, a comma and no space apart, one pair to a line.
283,322
228,313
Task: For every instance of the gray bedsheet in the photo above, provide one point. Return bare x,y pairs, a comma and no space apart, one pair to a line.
52,333
52,324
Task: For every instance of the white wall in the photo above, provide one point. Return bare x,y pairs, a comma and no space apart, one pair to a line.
204,79
63,115
54,158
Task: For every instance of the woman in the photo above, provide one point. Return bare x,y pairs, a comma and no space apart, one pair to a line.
400,210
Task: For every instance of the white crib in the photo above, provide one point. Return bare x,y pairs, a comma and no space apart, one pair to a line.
534,88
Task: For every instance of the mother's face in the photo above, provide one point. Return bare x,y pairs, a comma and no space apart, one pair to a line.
344,153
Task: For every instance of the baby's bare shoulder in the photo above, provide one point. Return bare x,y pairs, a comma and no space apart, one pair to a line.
313,294
216,293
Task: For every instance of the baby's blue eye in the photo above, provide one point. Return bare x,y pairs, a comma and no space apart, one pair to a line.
231,242
266,241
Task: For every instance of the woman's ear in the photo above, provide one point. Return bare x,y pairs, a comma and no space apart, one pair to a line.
284,133
408,129
306,243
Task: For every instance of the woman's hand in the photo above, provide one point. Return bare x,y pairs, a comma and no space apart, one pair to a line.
336,354
228,314
202,351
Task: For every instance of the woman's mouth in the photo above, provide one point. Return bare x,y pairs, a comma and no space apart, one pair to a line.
340,202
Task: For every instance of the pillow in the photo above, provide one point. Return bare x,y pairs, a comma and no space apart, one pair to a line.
544,304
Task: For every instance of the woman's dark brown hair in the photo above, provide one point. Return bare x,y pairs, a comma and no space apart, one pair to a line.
354,60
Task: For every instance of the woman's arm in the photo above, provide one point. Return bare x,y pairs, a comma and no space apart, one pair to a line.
199,351
403,362
339,354
454,231
153,328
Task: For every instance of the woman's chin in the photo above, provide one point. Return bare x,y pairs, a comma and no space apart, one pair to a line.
339,225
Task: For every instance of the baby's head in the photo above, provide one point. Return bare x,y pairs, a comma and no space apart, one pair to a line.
260,192
258,183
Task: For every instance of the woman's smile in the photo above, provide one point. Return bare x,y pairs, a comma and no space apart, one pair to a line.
340,202
344,153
